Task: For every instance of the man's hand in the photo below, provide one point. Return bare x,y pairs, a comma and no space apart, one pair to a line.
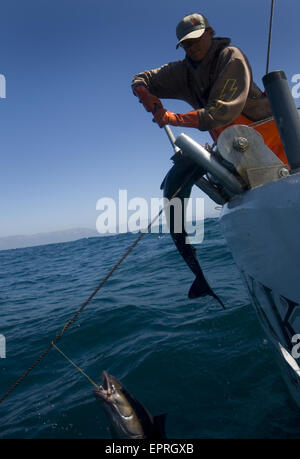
163,117
150,102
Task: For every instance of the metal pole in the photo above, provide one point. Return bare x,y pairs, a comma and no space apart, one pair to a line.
201,156
171,138
201,183
285,114
270,36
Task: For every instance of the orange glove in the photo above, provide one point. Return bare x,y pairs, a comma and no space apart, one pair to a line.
150,102
163,116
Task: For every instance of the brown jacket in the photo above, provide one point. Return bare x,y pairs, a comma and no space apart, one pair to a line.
220,86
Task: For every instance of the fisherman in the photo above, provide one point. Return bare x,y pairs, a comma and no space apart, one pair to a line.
215,78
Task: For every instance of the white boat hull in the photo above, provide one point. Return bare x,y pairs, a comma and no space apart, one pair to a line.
262,230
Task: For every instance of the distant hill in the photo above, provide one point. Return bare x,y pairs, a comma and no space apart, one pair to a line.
15,242
54,237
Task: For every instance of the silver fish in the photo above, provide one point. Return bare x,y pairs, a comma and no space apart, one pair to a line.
128,417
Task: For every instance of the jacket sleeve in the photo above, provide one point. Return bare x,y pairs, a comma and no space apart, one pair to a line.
229,92
166,82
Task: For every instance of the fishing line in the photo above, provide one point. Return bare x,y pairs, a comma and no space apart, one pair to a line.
76,366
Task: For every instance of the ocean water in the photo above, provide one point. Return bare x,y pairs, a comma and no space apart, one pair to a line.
211,371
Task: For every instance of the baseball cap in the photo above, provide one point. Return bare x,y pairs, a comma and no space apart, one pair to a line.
191,26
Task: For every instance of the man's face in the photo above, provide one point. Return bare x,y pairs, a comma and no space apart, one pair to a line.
197,48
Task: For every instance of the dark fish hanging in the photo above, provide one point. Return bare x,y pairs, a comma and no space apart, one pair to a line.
185,173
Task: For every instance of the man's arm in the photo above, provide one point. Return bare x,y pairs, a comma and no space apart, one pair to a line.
166,82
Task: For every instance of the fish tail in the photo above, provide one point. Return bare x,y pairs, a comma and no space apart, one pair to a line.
201,288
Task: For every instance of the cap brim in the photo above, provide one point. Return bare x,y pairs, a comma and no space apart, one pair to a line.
194,34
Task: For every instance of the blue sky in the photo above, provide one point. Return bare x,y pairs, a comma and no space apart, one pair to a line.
71,130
